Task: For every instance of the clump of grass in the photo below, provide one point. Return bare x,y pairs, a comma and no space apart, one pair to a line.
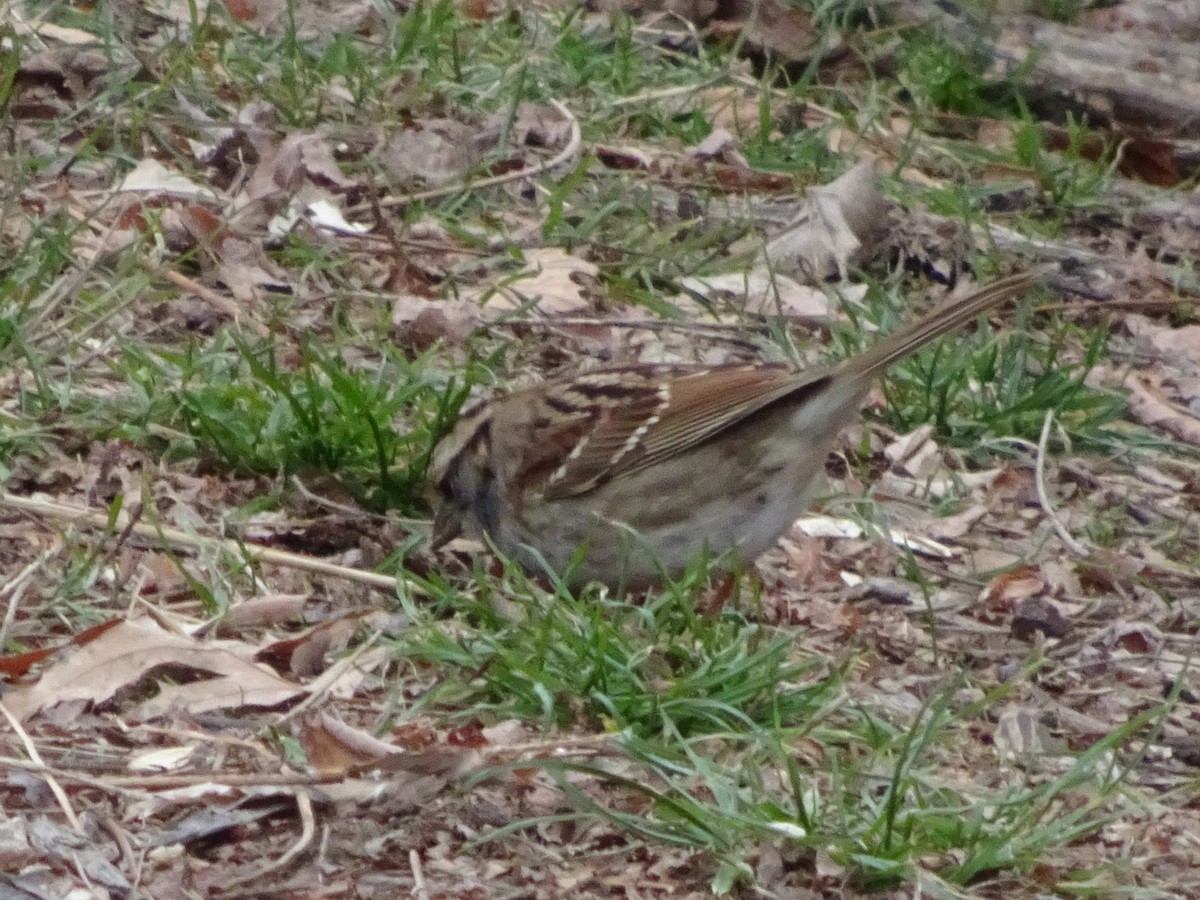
242,409
940,77
658,668
971,387
732,734
712,710
1070,179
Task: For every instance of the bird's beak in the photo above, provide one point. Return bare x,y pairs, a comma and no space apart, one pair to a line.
447,525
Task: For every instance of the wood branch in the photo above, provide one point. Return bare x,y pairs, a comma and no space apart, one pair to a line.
1147,83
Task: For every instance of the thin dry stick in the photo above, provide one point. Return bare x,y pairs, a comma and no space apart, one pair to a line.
658,94
1113,304
343,508
222,742
143,784
419,890
55,788
133,860
91,781
727,330
556,748
372,240
181,539
570,150
15,588
1039,478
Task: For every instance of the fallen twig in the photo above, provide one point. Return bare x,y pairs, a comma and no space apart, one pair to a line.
181,539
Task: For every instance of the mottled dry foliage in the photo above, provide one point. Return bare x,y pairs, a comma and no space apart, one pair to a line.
212,607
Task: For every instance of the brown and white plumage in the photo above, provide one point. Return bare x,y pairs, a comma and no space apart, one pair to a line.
645,466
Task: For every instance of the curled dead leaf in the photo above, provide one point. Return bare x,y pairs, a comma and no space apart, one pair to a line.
129,651
333,747
1002,594
839,222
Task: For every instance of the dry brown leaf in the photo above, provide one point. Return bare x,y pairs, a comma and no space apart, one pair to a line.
507,733
759,292
249,687
215,816
623,158
771,27
246,270
128,651
268,609
90,246
420,323
431,152
305,654
155,574
552,282
332,746
151,177
535,125
344,681
739,179
324,213
1139,638
161,759
287,163
1151,408
19,664
796,561
37,842
69,68
957,525
1178,19
842,221
200,226
48,31
1002,594
721,146
1179,347
915,453
308,20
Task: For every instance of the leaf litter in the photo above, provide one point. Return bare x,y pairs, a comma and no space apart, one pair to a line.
153,701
